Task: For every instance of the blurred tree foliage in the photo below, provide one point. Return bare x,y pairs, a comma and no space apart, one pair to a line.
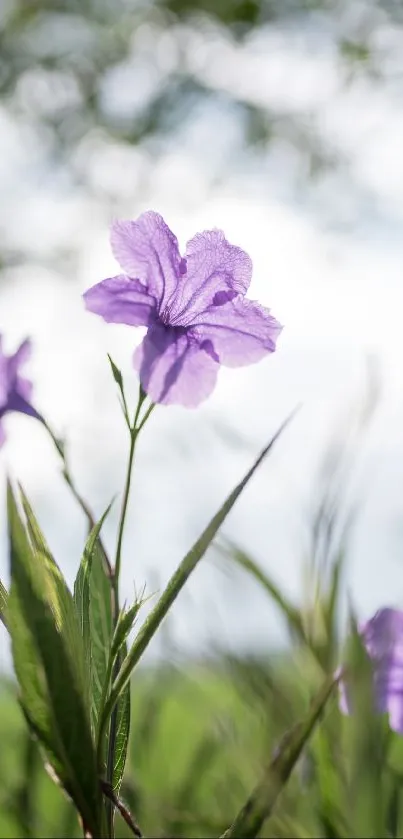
80,74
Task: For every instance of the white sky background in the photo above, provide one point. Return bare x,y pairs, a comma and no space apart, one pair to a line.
330,267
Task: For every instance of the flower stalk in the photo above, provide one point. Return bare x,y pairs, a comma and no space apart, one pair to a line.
134,431
177,582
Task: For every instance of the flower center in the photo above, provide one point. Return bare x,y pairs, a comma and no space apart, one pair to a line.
170,318
164,316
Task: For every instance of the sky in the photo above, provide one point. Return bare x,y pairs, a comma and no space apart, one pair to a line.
328,261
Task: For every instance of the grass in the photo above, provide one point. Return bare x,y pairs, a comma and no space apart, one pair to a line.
198,742
200,737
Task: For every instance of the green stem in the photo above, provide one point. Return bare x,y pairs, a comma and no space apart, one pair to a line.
145,418
123,512
113,573
176,583
134,432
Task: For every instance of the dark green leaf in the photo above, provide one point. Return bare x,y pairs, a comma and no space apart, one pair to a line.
101,629
43,556
116,373
119,381
394,809
3,603
49,664
93,601
122,737
124,625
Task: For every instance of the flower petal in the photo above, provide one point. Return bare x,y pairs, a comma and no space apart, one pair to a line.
17,402
215,269
147,250
15,390
3,381
241,331
20,357
2,435
121,300
173,368
24,387
383,638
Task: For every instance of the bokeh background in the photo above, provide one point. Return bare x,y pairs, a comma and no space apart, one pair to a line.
281,122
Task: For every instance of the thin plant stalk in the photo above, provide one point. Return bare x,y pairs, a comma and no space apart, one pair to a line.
176,583
113,571
134,431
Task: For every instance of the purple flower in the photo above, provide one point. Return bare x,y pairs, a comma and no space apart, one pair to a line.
15,390
383,641
194,308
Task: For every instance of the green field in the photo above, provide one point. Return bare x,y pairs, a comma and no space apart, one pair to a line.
201,738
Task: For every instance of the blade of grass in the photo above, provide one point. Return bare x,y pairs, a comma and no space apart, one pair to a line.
3,603
180,577
260,804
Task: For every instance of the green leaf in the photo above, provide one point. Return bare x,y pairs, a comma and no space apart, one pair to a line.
43,555
49,664
328,779
101,629
394,809
122,737
36,536
3,603
124,625
259,806
368,742
179,578
92,598
119,381
334,594
116,373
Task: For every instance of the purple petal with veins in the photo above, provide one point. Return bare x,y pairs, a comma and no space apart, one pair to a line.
194,307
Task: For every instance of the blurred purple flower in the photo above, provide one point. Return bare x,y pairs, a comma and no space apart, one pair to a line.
383,641
194,307
15,390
